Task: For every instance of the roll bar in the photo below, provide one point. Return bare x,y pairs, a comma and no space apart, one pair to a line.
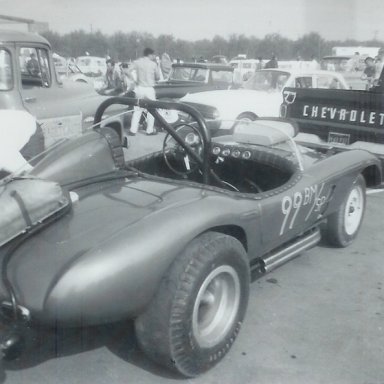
152,106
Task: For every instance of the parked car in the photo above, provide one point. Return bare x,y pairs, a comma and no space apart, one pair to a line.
62,109
92,66
244,67
194,77
74,73
261,95
170,239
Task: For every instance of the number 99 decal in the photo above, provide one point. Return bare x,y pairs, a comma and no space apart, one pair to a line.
311,198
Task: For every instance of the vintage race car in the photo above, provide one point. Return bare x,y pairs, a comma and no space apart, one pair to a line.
170,238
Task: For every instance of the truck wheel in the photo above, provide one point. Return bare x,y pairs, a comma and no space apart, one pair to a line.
199,307
343,226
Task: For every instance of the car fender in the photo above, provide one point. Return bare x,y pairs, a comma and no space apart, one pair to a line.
123,273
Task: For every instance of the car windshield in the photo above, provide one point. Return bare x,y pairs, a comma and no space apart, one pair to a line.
189,74
265,80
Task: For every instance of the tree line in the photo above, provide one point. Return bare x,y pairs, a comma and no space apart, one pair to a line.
122,46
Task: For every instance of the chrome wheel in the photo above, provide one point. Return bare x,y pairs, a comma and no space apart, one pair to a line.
354,210
216,306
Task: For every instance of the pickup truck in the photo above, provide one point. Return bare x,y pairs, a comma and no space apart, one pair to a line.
341,119
195,77
29,82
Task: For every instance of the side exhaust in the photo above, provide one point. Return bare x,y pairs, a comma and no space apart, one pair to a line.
287,253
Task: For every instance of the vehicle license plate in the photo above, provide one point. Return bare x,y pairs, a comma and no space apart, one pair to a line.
58,128
338,138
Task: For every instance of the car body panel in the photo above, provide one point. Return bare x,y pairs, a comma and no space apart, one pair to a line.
233,103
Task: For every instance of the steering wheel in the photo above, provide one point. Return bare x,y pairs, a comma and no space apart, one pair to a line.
175,155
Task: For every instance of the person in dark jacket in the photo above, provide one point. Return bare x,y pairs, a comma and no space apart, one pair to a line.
369,73
272,63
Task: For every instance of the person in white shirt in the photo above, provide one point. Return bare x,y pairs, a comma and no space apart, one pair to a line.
16,128
147,73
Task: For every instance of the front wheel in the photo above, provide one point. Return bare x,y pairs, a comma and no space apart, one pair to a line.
199,308
343,226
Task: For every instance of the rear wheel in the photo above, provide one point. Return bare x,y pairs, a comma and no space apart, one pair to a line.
199,308
343,226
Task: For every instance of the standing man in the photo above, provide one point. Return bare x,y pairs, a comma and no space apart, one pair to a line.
112,79
369,72
147,73
272,63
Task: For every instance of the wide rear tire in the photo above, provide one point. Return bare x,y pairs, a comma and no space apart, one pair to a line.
200,306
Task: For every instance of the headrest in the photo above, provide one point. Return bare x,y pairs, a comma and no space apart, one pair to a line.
26,203
265,132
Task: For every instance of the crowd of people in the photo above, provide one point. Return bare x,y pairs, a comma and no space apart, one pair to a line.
138,78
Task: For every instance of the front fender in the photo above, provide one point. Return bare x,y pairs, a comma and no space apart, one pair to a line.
119,278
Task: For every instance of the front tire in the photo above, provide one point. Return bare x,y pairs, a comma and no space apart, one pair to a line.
344,225
200,306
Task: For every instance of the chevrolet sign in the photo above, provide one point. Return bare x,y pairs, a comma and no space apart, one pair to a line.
358,116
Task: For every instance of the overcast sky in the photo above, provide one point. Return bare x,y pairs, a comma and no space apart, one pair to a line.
197,19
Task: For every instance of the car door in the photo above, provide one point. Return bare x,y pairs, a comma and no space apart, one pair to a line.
294,210
44,97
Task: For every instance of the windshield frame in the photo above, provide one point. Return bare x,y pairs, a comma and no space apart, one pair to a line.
11,83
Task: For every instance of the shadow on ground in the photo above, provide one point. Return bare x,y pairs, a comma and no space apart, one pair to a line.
44,344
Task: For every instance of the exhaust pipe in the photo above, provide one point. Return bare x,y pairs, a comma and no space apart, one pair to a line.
288,253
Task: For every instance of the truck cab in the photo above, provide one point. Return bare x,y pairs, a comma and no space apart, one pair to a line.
28,81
